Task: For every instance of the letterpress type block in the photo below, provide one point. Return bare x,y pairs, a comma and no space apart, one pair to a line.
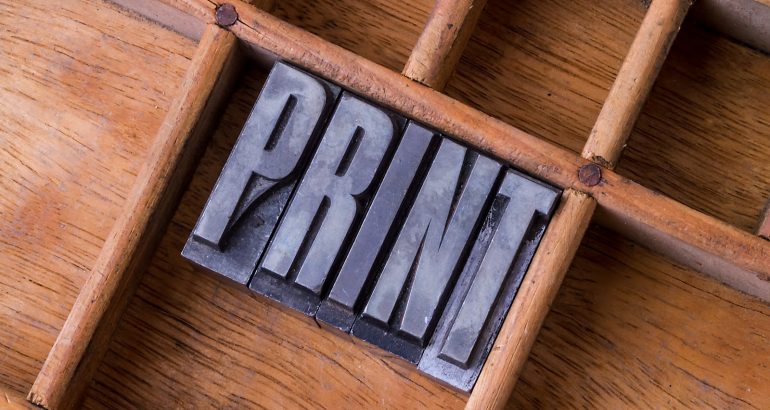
488,283
326,204
422,265
344,300
260,173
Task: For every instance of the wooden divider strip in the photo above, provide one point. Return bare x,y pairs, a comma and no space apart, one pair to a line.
704,243
85,336
533,301
763,228
747,21
441,44
556,251
634,81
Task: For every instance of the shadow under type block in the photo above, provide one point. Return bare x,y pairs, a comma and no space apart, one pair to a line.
375,225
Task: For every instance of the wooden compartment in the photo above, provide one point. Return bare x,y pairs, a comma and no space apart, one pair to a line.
703,137
629,327
546,66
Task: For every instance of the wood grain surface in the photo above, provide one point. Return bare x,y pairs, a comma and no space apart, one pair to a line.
628,328
546,66
166,169
383,31
12,400
80,102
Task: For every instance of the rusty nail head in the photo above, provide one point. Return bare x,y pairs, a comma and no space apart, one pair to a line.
590,174
226,15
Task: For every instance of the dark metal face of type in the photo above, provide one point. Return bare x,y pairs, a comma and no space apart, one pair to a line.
375,225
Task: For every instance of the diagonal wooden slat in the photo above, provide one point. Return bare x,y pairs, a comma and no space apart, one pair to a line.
634,81
564,234
449,26
432,62
85,336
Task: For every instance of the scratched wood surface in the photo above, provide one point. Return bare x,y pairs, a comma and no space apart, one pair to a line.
629,327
